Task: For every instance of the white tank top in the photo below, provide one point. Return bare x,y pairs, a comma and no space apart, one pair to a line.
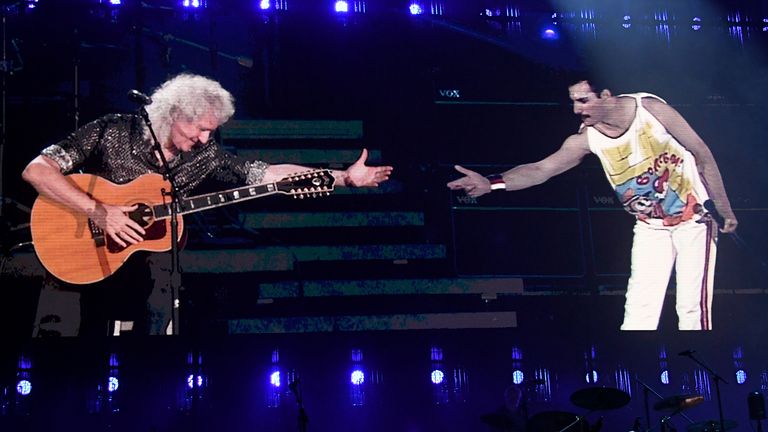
654,176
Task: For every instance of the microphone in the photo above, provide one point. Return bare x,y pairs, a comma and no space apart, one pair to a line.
686,353
245,62
710,207
139,97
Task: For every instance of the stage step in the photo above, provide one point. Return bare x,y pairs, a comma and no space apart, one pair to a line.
283,258
281,220
291,129
352,323
487,288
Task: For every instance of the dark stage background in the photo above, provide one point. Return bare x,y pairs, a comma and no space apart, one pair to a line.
529,282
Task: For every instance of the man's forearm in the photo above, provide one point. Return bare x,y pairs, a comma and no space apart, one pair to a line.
523,177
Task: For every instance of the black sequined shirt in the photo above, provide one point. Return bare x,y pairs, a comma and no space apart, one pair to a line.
114,147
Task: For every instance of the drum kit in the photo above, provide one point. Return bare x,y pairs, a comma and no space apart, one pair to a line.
596,399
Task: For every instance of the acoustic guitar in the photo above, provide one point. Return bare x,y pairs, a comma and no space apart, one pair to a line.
74,249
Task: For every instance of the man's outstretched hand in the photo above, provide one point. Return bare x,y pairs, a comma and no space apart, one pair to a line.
473,183
361,175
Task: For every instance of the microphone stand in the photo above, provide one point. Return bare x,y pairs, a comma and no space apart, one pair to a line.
646,389
717,379
245,62
175,274
578,420
302,419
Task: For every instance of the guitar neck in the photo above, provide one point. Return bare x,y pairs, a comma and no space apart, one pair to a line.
216,199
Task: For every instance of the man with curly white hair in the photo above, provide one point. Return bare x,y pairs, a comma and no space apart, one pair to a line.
184,113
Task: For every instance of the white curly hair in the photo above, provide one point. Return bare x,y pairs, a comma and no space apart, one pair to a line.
188,97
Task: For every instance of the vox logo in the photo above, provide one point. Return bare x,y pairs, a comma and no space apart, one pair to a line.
449,93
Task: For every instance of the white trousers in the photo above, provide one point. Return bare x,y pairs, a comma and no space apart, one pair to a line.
691,247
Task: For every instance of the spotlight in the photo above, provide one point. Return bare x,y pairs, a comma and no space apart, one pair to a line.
663,366
24,376
549,33
517,376
590,365
437,376
357,377
441,393
741,376
415,9
113,384
195,381
24,387
264,4
696,26
273,390
664,377
341,6
627,21
591,377
194,4
356,386
274,379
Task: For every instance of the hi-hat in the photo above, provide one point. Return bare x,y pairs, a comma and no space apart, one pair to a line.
678,403
600,398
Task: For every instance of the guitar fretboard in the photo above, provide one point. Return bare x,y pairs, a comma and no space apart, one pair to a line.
217,199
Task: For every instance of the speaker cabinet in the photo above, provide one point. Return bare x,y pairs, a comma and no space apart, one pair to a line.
529,233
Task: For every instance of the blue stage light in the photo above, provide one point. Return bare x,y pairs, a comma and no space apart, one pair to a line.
357,377
415,9
627,21
274,379
696,26
341,6
664,377
112,384
264,4
193,381
591,377
24,387
550,33
741,376
518,376
193,4
437,376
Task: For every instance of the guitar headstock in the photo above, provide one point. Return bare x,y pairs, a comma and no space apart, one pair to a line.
307,184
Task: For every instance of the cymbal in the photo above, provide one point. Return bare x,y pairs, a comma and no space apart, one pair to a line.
600,398
678,403
554,421
712,426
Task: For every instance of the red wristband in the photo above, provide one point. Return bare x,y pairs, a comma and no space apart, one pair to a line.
497,182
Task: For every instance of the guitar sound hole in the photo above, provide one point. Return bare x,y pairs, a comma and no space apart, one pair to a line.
142,215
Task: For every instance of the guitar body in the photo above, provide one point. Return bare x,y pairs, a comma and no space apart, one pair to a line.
68,247
72,248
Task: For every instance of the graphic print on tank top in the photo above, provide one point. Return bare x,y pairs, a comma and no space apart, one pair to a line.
654,176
